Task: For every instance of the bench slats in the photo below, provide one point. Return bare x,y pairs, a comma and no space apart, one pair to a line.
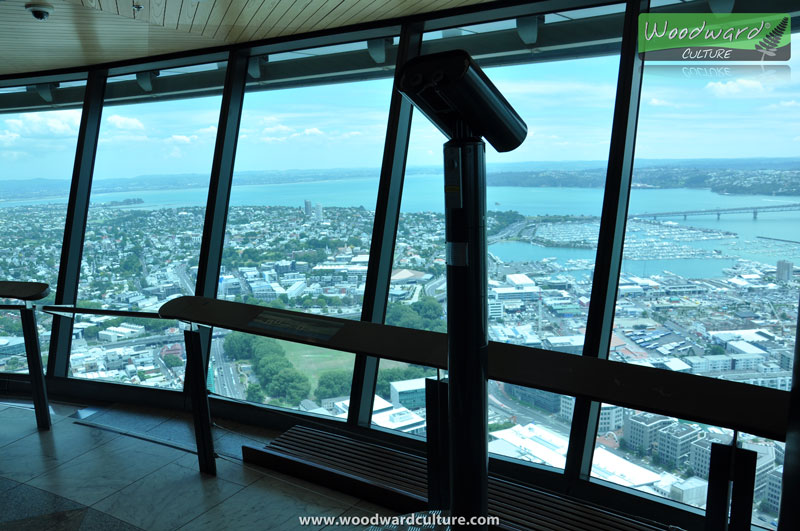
379,468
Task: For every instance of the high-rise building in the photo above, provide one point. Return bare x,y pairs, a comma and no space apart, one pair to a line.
308,208
785,271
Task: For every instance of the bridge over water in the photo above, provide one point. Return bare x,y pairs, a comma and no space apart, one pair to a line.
719,211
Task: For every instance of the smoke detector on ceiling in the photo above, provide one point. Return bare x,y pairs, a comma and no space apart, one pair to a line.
40,10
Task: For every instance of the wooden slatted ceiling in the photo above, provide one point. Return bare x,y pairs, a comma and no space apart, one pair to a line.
85,32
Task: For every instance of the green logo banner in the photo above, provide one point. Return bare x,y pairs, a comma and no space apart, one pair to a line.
715,37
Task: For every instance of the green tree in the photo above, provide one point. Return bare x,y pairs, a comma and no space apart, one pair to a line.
290,385
334,383
715,350
13,364
171,360
269,366
266,346
497,426
428,308
90,332
255,394
238,345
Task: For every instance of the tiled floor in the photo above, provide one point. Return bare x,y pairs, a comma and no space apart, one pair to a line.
84,477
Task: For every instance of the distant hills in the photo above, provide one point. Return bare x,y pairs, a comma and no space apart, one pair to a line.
737,176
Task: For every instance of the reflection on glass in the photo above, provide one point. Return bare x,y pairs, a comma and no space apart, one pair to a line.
400,397
280,373
12,343
529,424
128,350
656,454
37,153
144,227
769,478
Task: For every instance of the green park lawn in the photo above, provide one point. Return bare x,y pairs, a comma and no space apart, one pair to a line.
312,361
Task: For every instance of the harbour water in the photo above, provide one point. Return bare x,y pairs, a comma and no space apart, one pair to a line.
424,193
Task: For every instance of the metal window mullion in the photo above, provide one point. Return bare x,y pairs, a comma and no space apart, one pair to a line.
75,225
219,188
384,231
611,238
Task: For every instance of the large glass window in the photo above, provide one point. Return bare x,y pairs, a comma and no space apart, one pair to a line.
544,201
708,283
143,233
37,154
302,206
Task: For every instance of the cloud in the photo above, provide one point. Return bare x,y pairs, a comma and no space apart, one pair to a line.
181,139
280,128
51,123
737,87
13,155
579,89
123,122
210,130
176,153
311,131
349,134
659,103
783,105
8,137
123,137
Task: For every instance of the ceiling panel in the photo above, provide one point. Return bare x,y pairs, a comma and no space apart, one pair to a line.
86,32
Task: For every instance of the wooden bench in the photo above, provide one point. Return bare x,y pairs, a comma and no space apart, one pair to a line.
398,480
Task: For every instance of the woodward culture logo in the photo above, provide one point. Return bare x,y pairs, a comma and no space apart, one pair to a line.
714,37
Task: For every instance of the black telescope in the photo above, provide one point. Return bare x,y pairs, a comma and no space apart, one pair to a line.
452,90
454,93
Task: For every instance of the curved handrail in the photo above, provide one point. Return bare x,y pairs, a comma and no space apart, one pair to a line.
744,407
23,291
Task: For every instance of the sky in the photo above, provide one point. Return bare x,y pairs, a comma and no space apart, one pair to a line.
714,111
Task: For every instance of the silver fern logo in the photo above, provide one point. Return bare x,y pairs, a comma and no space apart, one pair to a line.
715,37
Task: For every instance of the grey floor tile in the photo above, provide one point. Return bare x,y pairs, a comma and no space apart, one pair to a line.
177,430
319,490
375,509
130,418
69,520
6,484
17,423
25,501
168,498
39,452
106,469
97,521
267,504
233,471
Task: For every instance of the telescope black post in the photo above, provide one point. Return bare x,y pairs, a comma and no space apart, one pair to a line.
465,226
